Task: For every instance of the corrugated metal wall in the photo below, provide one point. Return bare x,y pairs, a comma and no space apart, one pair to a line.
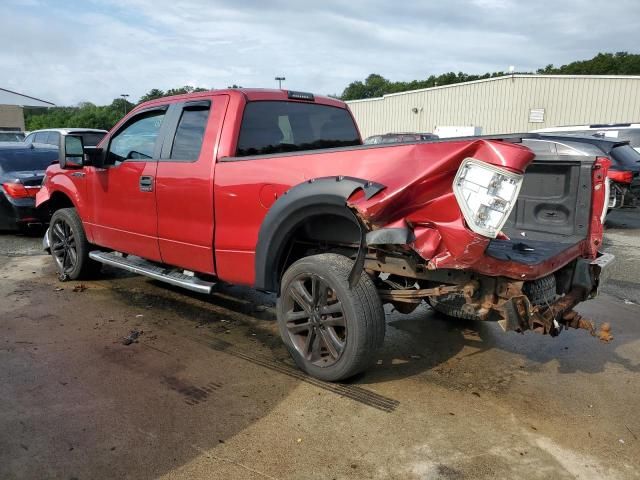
503,105
11,116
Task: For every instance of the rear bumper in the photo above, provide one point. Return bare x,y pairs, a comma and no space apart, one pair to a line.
17,213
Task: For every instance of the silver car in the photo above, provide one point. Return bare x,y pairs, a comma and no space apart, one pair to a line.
52,136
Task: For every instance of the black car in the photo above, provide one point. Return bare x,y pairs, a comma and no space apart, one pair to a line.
21,172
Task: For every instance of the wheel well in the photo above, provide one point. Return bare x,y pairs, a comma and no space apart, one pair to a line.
57,201
322,233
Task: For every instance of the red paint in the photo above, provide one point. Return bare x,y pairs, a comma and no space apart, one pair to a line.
620,176
205,215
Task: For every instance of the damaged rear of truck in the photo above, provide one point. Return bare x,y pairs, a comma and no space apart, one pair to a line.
479,229
517,245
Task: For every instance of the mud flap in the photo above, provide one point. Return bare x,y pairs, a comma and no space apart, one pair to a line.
358,265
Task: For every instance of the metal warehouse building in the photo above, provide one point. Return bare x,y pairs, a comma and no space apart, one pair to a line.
12,106
513,103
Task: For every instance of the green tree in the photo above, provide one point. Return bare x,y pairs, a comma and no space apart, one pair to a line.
152,95
620,63
88,115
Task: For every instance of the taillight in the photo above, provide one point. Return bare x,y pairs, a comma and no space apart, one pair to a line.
486,195
18,190
620,176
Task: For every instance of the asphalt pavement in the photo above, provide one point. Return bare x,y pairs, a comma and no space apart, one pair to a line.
204,388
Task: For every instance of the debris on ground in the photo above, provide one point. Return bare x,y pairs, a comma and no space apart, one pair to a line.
628,302
605,333
79,288
140,315
58,289
132,337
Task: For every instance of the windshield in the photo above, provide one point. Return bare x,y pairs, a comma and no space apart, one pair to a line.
11,136
26,159
626,158
280,126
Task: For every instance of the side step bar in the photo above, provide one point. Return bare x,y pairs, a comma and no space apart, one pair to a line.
153,270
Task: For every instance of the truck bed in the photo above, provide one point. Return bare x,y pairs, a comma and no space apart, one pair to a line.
552,212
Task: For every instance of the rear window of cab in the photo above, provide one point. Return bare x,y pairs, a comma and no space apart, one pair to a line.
281,126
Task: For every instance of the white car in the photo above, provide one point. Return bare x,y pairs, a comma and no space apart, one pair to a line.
51,136
615,131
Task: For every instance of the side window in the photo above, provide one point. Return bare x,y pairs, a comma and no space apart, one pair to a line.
53,139
187,141
29,138
137,140
41,137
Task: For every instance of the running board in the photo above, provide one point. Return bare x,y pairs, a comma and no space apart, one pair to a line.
153,270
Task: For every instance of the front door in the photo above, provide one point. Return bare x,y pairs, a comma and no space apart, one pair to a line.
122,194
185,183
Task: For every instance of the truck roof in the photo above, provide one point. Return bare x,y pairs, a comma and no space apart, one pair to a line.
250,94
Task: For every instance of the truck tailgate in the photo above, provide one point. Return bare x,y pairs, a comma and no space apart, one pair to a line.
552,213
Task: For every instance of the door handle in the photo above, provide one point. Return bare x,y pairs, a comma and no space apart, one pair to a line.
146,183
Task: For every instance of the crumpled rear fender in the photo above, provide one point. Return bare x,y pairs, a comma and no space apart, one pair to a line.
427,205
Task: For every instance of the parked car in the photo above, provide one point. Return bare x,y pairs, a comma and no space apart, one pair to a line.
274,190
624,172
615,131
11,136
52,136
399,138
21,172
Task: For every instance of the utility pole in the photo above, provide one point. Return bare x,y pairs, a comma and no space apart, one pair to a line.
280,80
124,96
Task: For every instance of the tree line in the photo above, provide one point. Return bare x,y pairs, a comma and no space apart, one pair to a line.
375,85
88,115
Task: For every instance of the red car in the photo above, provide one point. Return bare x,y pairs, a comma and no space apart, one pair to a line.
274,190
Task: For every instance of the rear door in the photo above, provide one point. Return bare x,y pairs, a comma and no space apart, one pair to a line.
184,183
122,194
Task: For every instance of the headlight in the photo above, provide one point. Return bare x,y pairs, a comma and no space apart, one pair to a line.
486,195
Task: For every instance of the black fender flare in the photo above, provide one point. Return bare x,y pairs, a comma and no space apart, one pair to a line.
326,195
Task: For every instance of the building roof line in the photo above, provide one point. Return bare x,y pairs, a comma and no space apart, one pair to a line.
504,77
27,96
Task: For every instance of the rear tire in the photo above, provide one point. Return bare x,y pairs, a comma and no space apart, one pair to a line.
333,332
69,246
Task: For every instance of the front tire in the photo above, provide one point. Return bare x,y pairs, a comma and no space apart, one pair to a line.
333,332
69,246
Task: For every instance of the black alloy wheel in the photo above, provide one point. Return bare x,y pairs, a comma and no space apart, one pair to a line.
333,331
63,246
315,320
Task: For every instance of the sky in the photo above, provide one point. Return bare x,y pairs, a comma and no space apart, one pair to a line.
73,51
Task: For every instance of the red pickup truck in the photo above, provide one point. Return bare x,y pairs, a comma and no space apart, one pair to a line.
274,190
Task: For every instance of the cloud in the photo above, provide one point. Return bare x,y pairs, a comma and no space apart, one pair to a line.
95,50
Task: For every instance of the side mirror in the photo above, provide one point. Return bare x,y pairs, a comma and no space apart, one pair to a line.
71,152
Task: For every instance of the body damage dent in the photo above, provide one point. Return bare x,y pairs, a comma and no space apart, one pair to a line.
427,204
429,208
